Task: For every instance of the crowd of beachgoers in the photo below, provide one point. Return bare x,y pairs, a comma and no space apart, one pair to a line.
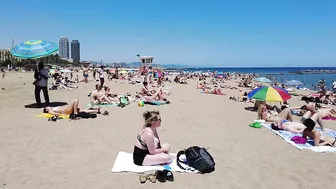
155,88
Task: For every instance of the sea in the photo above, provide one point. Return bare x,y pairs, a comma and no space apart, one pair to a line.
283,74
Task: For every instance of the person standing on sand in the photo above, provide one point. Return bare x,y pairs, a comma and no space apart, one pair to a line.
101,75
3,72
85,73
334,86
41,76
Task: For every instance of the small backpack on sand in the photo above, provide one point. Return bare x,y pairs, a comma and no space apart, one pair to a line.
198,158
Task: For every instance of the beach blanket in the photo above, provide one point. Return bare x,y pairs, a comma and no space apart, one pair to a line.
155,103
329,118
287,136
47,115
102,105
124,163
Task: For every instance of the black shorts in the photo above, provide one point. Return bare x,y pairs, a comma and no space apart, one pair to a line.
102,80
139,155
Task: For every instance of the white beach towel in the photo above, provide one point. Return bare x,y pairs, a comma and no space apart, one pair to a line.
124,163
287,136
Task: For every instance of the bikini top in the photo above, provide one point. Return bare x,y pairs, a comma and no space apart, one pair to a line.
143,144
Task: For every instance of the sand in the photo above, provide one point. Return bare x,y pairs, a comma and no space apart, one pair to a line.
35,153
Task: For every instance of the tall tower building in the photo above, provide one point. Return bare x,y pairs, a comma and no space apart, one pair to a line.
75,51
64,48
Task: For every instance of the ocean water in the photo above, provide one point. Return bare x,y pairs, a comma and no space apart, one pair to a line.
283,74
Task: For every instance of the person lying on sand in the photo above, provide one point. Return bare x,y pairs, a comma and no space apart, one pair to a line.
158,96
323,111
215,90
318,137
295,127
148,149
70,109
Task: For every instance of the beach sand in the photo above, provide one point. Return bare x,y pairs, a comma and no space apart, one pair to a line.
35,153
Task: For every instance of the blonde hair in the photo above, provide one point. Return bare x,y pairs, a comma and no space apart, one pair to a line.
150,117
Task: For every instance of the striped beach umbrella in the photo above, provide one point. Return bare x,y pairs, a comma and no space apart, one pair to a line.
34,49
270,94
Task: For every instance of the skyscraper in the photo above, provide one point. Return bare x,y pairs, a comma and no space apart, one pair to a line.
75,51
64,48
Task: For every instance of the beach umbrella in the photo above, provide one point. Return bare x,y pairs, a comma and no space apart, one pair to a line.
293,83
34,49
262,80
220,76
270,94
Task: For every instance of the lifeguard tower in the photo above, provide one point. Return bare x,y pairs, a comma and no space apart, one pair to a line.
146,61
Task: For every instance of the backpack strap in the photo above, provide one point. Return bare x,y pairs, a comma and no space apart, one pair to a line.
178,161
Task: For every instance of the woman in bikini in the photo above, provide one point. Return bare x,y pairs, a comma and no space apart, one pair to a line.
264,114
148,149
317,136
70,109
215,90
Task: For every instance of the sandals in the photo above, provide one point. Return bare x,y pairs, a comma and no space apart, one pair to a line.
144,177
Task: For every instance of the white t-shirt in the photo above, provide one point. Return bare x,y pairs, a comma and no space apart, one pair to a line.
334,85
101,73
43,82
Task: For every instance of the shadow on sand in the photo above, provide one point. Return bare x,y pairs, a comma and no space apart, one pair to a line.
52,104
251,109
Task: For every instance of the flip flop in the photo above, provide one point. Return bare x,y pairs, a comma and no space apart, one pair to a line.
169,175
152,178
105,113
160,176
142,178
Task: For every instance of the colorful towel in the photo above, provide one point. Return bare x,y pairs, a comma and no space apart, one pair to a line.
102,105
124,163
156,103
287,136
47,115
329,118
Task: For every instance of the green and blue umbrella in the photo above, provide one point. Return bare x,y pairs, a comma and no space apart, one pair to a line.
293,83
270,94
34,49
262,80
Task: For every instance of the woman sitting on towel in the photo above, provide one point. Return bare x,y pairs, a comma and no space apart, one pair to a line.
148,149
318,137
70,109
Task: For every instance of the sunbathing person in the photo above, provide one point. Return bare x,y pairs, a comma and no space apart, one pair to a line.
70,109
99,96
146,91
148,149
265,114
215,90
323,111
318,137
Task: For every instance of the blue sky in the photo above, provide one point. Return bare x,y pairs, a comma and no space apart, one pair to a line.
240,33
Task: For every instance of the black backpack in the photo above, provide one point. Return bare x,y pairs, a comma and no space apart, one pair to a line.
198,158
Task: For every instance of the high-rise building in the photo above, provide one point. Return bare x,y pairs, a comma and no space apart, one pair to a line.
64,48
75,51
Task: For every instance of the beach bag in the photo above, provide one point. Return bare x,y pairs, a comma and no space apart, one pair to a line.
197,158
